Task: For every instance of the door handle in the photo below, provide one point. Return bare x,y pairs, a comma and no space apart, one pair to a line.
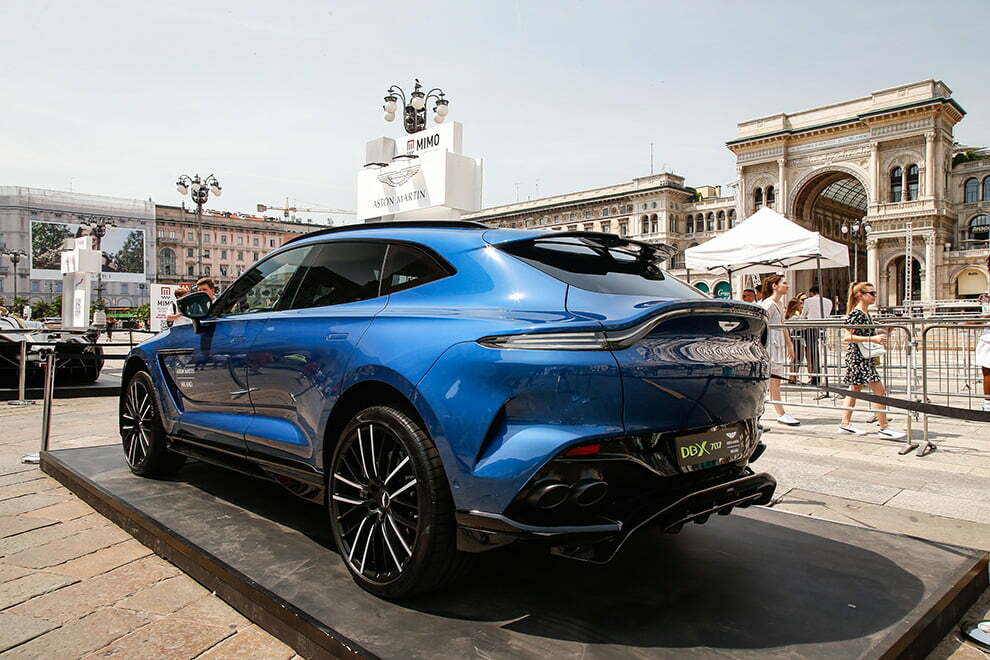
241,392
236,340
336,336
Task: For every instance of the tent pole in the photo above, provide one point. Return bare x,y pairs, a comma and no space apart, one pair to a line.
688,271
821,301
729,271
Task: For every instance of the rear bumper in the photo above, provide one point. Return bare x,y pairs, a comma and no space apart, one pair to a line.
599,541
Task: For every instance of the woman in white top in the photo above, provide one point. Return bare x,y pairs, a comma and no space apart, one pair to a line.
774,288
983,348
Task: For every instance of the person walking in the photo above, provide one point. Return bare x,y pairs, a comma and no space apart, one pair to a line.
861,370
816,308
795,306
774,288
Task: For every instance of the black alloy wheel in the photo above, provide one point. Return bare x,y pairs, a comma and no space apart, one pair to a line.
390,507
141,432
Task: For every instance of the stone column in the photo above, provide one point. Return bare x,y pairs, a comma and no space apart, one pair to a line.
930,164
874,173
781,188
930,287
873,264
740,194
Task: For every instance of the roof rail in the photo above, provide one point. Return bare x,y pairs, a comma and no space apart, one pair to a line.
445,224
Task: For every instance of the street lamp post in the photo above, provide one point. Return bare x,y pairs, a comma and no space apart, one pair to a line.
15,257
414,106
200,189
98,226
857,232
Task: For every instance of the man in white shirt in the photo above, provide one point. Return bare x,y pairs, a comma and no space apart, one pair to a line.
816,308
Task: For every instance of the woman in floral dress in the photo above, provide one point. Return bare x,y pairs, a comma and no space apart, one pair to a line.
860,370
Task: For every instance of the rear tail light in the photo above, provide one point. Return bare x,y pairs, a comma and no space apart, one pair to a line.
584,450
549,341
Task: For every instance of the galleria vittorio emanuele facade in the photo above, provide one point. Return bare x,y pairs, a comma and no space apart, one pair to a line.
889,158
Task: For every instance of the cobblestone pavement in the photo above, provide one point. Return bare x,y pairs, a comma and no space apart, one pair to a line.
72,584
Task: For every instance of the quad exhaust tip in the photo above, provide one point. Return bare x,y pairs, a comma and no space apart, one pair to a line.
552,493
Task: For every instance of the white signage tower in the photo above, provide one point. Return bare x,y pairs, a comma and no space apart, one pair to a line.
79,262
423,177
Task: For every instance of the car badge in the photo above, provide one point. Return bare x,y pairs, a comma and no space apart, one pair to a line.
729,326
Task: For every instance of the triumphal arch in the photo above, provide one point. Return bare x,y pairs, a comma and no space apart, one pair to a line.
884,160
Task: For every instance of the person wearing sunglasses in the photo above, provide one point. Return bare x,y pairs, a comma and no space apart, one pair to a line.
861,370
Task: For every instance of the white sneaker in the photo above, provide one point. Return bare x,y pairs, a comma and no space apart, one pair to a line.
986,406
788,420
892,434
851,430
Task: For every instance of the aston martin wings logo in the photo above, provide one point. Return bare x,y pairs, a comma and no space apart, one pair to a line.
396,179
729,326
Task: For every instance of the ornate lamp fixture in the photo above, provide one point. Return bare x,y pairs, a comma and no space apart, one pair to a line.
414,107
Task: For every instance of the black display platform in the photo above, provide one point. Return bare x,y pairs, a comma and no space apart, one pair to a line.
756,584
105,385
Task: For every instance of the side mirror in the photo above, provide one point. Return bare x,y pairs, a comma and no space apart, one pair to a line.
194,305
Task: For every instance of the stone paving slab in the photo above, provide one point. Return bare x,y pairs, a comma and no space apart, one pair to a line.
16,630
102,560
28,586
249,644
82,636
13,525
164,638
164,597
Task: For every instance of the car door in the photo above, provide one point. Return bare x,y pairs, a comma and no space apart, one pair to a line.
300,351
213,377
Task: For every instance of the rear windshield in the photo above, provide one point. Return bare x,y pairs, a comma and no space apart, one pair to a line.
606,264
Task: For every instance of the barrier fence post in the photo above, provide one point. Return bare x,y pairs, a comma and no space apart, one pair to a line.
46,413
21,379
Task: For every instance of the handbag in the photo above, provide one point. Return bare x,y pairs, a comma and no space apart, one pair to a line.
871,350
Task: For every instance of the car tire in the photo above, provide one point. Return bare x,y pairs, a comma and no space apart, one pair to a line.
141,432
390,507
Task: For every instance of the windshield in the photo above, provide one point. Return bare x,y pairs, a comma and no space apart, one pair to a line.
604,264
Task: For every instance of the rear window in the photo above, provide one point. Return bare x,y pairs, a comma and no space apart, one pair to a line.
604,264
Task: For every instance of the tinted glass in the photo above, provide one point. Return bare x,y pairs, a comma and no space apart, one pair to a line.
265,286
408,266
339,272
601,265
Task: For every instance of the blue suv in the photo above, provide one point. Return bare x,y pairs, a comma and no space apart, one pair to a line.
446,388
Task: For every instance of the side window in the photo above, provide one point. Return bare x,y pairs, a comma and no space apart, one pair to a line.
340,272
407,266
265,287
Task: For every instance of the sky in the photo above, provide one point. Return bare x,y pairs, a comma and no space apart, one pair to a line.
116,97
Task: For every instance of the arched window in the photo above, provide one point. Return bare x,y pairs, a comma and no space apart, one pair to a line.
711,222
971,191
645,223
979,227
896,184
690,224
677,261
758,198
166,262
771,196
721,220
655,223
732,218
912,182
986,189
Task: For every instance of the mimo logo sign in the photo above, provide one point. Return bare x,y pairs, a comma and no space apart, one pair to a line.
423,143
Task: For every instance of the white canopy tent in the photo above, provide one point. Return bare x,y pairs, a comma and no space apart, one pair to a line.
767,239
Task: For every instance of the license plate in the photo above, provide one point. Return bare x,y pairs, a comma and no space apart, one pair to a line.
710,448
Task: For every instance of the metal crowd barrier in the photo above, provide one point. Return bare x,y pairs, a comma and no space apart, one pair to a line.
819,368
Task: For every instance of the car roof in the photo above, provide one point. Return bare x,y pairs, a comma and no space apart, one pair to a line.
438,234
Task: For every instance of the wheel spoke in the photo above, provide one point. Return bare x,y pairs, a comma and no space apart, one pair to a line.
357,537
340,498
367,544
364,465
396,530
371,439
388,543
338,477
397,468
402,520
409,484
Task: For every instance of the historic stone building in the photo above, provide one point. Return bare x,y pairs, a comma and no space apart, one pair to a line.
888,158
231,243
